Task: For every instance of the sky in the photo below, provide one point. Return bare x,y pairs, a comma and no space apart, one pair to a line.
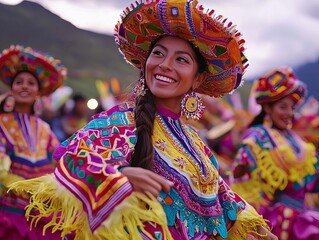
277,32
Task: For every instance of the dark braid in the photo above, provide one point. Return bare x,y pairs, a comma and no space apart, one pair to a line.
145,115
144,118
259,119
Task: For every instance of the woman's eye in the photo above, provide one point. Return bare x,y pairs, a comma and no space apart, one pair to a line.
157,52
181,59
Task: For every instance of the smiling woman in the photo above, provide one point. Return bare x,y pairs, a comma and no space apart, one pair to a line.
137,171
26,141
274,163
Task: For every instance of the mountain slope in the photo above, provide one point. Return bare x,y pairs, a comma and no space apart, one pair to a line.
87,55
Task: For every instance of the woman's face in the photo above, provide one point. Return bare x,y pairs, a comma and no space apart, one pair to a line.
171,71
25,89
282,113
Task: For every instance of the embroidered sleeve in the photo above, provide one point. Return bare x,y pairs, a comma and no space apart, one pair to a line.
88,164
86,189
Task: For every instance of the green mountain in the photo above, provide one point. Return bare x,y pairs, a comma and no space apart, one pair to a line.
87,55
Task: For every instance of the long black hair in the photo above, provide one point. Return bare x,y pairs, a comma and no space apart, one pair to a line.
145,115
259,119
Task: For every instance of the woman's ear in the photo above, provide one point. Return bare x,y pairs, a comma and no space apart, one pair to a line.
266,108
199,79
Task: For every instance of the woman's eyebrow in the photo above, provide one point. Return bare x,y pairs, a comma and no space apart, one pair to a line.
178,51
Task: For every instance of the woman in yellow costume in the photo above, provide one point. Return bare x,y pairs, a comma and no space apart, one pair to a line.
136,171
274,168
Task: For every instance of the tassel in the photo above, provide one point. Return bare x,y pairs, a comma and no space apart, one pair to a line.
51,199
246,224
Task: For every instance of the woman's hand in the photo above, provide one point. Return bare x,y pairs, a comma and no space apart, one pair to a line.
264,231
144,180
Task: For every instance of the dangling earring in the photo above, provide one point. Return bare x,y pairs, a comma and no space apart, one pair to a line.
37,107
267,121
139,89
192,106
9,104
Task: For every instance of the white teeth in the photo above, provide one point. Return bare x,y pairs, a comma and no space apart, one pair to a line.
24,94
164,79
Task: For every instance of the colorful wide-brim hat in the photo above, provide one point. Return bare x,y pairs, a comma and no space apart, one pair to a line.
215,37
277,84
49,71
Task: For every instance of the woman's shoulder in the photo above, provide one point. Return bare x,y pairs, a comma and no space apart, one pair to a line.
119,108
256,130
6,121
257,133
5,115
119,115
42,122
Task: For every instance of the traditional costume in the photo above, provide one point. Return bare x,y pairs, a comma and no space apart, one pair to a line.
90,198
280,168
26,141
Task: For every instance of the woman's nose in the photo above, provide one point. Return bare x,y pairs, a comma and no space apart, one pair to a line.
25,85
166,64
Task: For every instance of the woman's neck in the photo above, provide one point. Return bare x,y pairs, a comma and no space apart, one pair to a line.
162,110
22,108
169,104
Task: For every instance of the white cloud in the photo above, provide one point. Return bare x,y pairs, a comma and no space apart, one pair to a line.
277,32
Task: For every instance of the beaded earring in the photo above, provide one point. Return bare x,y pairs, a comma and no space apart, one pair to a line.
38,107
267,122
192,106
9,104
139,89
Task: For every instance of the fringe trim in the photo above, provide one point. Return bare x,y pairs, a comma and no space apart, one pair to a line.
51,199
275,178
245,226
131,216
6,179
253,196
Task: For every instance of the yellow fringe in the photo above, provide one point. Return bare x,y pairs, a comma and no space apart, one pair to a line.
245,226
250,191
273,177
50,199
133,212
6,179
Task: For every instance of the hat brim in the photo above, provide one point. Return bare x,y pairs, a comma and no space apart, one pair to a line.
49,71
277,84
220,130
217,40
